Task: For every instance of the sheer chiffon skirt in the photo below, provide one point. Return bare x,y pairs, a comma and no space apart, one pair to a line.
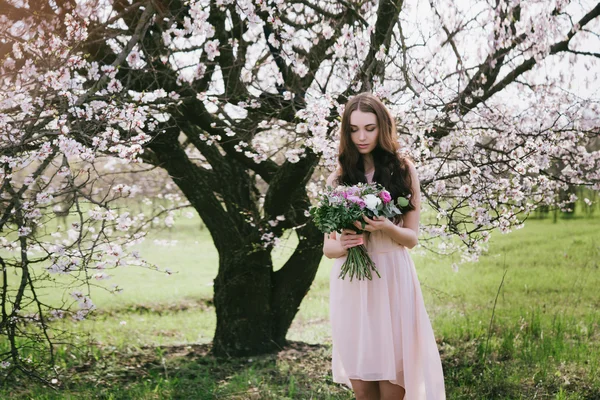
380,328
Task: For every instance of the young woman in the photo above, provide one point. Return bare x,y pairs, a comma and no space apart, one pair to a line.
383,343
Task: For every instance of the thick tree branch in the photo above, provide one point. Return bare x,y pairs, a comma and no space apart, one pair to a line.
290,175
236,195
195,112
387,17
231,65
194,183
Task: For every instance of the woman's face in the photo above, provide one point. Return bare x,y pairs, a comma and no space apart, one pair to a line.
364,131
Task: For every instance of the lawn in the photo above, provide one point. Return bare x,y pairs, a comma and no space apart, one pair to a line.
151,341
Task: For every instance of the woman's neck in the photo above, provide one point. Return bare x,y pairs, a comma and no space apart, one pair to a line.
369,164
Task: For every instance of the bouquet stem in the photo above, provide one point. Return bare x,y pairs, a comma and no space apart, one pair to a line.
358,264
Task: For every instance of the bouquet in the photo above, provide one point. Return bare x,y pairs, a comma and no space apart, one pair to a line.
339,207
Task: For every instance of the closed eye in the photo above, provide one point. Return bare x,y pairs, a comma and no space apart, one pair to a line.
368,130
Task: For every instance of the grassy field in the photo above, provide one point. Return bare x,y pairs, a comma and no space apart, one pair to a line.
152,340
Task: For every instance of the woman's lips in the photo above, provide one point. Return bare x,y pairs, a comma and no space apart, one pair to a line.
363,146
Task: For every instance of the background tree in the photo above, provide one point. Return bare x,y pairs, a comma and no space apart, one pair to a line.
238,101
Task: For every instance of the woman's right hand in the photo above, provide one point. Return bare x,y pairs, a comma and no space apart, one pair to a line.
350,238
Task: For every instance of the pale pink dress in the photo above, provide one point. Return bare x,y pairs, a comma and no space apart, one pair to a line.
380,328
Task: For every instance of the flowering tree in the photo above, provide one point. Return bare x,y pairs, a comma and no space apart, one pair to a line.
61,114
238,101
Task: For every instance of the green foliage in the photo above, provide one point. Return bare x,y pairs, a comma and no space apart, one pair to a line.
402,201
544,342
331,218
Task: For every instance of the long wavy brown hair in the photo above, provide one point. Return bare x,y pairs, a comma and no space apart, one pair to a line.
391,170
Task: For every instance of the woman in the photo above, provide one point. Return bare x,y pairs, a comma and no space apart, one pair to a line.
383,343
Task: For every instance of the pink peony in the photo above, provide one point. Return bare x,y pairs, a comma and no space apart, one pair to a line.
357,200
386,197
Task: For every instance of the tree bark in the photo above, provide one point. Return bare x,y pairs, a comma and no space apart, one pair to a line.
293,281
256,306
243,304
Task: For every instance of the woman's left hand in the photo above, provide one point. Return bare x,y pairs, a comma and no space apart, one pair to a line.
372,225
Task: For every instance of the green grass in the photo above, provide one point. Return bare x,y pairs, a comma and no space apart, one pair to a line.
544,341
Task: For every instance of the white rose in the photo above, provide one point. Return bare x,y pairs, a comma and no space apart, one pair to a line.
372,201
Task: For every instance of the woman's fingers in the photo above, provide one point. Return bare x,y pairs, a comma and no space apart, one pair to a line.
350,238
352,244
367,227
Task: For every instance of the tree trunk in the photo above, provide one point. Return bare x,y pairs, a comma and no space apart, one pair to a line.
243,303
256,306
293,281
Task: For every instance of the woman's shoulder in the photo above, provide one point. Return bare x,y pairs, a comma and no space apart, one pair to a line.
408,162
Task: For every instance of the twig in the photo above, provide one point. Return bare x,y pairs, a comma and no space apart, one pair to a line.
487,342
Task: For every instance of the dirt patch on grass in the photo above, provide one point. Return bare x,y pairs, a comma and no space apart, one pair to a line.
163,308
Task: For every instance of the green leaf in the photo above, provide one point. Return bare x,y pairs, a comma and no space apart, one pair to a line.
402,201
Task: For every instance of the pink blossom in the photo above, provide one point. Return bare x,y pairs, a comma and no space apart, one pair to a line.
357,200
385,196
353,190
212,49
